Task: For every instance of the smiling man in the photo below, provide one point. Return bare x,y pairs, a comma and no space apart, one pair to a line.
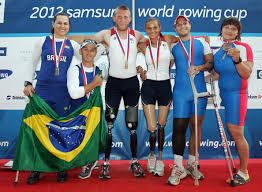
188,54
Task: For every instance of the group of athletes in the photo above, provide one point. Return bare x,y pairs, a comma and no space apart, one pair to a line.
59,81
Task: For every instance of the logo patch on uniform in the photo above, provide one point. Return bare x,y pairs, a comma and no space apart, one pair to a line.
67,47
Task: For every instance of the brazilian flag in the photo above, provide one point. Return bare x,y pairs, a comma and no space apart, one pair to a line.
50,143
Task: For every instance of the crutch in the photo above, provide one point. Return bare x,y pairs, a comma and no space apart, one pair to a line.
196,96
226,147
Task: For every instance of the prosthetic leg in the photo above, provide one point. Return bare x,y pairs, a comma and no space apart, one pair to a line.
131,123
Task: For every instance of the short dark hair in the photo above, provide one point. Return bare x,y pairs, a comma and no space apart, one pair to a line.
122,7
232,21
55,17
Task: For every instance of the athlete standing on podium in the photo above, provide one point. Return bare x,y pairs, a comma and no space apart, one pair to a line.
121,41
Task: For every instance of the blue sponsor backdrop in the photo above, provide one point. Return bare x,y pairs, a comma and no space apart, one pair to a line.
30,18
91,16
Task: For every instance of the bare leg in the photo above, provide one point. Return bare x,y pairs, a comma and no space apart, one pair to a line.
237,133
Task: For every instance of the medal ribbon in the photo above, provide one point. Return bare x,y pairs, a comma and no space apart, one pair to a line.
189,57
61,51
84,74
151,55
128,43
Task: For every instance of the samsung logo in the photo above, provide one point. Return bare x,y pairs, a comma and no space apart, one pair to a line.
5,73
2,51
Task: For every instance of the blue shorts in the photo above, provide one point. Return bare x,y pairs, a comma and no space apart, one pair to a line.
184,106
235,106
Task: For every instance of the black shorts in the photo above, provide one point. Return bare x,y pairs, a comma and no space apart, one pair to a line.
126,88
159,91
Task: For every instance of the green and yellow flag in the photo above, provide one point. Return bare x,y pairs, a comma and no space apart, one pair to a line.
50,143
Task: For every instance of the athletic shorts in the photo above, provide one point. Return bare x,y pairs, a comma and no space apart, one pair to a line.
126,88
235,107
183,104
159,91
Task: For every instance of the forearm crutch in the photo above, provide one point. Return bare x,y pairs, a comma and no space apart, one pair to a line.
225,144
196,96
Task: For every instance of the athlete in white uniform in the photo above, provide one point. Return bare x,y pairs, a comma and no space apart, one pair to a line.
156,88
121,41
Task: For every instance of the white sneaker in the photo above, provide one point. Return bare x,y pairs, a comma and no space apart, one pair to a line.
177,174
160,167
191,170
151,163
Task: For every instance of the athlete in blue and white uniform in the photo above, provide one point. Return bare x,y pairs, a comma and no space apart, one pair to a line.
55,54
82,78
190,54
233,66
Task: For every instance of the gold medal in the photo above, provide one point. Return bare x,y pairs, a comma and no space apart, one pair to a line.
126,65
56,71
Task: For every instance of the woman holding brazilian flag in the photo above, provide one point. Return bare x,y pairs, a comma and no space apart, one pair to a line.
51,139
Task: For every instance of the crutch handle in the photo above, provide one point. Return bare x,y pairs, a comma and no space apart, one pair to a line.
203,94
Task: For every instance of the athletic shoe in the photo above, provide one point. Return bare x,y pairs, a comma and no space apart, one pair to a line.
160,167
34,177
61,176
177,174
151,163
87,170
136,169
191,170
105,171
238,180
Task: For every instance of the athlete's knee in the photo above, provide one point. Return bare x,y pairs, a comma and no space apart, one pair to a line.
110,114
131,117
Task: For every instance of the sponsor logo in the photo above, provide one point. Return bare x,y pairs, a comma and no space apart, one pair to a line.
259,74
14,97
2,10
4,143
254,96
5,73
2,51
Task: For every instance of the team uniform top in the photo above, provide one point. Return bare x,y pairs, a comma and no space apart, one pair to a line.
229,79
43,52
76,81
233,88
50,87
182,81
182,93
117,58
160,72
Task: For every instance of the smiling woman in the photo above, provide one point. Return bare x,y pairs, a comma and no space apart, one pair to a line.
55,54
